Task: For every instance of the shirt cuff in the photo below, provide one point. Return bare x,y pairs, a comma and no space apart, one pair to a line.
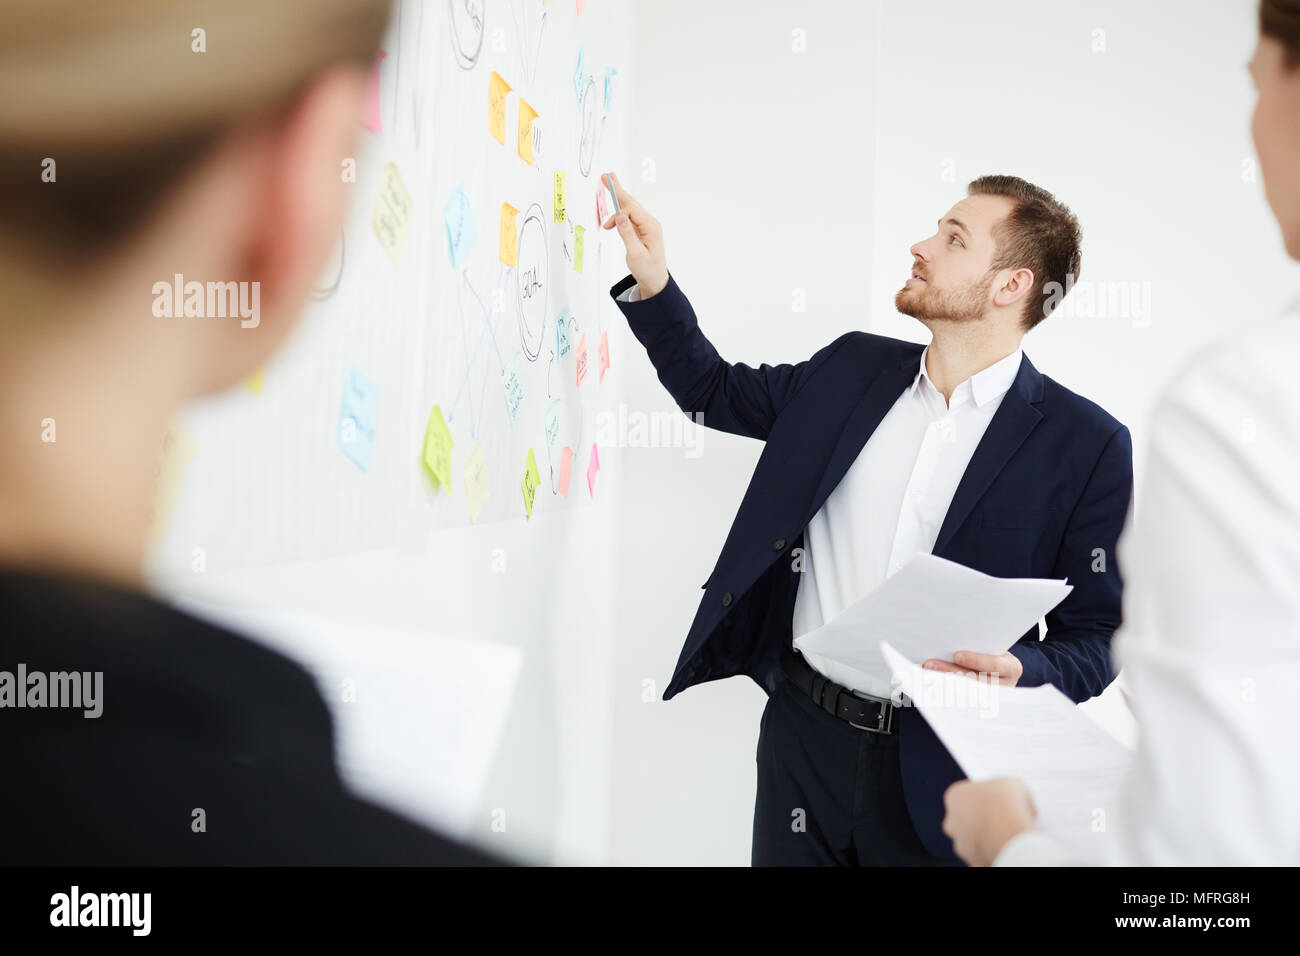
632,294
1033,848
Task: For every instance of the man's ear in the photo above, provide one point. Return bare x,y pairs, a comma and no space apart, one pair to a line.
1014,285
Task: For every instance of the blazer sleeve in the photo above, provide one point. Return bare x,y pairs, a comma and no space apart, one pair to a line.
730,397
1075,655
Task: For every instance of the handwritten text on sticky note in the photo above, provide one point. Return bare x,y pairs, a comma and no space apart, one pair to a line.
498,89
437,449
357,418
392,215
509,244
529,485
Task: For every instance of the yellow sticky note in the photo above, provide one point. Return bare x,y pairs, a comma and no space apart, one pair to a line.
254,382
497,90
509,250
531,480
178,450
437,448
526,116
476,487
579,246
559,197
392,215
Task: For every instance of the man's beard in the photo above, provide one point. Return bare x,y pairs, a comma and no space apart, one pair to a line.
958,305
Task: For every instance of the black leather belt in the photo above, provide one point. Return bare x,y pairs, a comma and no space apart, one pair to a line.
874,714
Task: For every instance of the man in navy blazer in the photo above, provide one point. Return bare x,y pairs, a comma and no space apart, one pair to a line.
961,448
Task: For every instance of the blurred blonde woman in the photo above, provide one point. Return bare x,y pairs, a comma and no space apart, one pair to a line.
140,139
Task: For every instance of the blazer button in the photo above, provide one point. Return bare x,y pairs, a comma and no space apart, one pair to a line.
726,599
778,544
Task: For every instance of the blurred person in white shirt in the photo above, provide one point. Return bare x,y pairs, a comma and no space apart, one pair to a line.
1210,642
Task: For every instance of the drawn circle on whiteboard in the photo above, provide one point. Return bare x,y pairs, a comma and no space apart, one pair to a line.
532,261
331,275
466,30
587,144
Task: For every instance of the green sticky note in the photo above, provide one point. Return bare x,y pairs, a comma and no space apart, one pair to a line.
437,449
531,480
579,245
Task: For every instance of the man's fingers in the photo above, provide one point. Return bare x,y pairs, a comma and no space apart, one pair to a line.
984,663
934,664
625,229
624,197
627,203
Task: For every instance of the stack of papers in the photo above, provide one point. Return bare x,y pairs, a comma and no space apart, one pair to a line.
1072,767
931,608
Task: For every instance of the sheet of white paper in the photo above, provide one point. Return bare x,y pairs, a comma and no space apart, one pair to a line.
1073,768
418,717
931,608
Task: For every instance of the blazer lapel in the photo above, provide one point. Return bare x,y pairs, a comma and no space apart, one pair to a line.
866,415
1015,418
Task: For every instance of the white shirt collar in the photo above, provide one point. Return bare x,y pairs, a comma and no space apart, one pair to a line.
986,384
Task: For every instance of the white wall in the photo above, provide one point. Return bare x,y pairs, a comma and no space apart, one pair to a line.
777,171
762,160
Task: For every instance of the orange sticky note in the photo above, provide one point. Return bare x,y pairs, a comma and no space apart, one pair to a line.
582,358
497,90
604,353
526,116
566,469
509,251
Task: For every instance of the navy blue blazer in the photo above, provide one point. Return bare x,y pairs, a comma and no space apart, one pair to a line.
1045,495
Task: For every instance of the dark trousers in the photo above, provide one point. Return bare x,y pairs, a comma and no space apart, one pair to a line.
829,794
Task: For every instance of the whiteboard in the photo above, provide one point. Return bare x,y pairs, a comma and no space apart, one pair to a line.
518,357
262,511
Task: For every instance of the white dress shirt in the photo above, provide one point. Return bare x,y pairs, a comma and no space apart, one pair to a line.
891,502
1210,642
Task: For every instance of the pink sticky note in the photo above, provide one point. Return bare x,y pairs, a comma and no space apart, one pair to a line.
370,112
593,466
566,467
582,358
604,353
581,5
603,209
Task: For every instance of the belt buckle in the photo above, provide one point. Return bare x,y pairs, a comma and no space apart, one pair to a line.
885,722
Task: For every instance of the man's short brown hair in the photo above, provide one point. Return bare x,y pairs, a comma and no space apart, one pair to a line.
1039,234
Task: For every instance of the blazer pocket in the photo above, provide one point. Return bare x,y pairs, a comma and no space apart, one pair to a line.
1015,518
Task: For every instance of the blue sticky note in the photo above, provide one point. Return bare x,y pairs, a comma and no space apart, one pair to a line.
357,419
562,335
580,76
610,72
461,231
